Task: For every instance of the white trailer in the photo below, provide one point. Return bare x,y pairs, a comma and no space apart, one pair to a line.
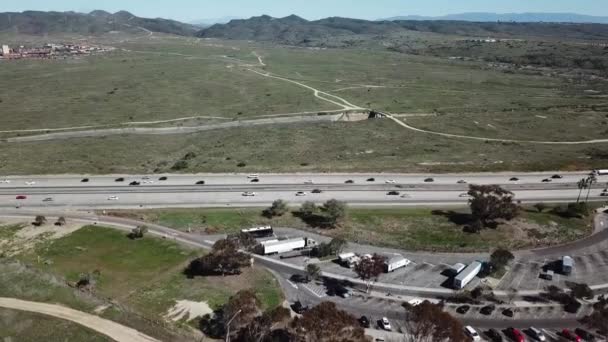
284,246
344,257
457,268
465,277
396,262
603,172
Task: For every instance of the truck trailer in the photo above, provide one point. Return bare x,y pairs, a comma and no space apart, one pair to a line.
567,265
284,246
465,277
396,262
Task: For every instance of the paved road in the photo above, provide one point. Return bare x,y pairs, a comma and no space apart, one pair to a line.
111,329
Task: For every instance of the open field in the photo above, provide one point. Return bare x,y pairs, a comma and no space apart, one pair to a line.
25,326
369,146
411,229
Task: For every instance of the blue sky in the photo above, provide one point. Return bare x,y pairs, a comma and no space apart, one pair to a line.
187,10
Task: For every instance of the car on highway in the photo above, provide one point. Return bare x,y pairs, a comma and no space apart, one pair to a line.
84,180
371,179
515,335
429,180
145,177
30,183
21,197
393,193
350,181
487,310
385,324
134,183
464,194
513,179
162,179
463,309
255,180
472,333
121,179
405,196
48,199
462,181
585,335
202,182
391,181
300,193
248,194
494,335
317,191
148,182
546,180
537,334
5,181
253,176
309,182
113,198
364,321
557,177
570,336
508,312
604,194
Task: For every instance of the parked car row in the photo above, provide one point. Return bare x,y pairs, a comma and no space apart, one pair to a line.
535,334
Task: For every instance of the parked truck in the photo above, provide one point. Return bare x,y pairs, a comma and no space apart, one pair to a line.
567,265
465,277
284,246
395,263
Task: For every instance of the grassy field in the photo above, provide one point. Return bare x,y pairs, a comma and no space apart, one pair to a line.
412,229
369,146
25,326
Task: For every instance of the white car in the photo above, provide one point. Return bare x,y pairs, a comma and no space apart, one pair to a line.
300,193
148,182
390,181
5,181
30,183
309,182
538,335
386,325
415,302
113,198
472,333
248,194
464,195
253,176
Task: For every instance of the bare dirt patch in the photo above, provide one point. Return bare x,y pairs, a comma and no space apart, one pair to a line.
29,235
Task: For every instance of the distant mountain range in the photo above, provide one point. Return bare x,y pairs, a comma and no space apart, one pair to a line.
212,21
512,17
96,22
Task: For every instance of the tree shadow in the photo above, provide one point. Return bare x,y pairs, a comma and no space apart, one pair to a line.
313,220
457,218
213,325
335,287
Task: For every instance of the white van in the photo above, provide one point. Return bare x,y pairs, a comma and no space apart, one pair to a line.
472,333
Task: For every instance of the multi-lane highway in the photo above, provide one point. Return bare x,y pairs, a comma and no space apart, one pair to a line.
116,191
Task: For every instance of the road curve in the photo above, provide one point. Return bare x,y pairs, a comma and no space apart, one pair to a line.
115,331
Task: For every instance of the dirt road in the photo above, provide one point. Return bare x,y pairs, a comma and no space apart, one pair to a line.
111,329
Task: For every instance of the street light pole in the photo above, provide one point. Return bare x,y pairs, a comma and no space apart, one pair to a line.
228,328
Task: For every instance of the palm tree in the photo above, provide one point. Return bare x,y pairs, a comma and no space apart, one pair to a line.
590,181
582,184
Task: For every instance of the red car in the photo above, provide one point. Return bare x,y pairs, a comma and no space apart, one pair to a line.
570,335
21,197
516,335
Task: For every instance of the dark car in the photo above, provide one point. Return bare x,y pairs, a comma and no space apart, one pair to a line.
119,179
364,321
200,183
557,177
85,180
585,335
299,308
546,180
462,182
21,197
298,278
487,310
393,193
134,183
463,309
371,180
317,191
514,179
494,335
162,179
508,312
350,181
255,180
429,180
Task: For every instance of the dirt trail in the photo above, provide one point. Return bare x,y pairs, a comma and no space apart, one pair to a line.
111,329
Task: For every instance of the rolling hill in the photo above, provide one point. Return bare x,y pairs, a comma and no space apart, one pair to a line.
513,17
96,22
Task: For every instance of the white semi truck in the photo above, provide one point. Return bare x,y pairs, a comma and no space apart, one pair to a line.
284,246
465,277
395,263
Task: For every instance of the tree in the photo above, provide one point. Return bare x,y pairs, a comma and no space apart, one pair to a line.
598,319
313,271
261,328
326,323
491,202
540,207
337,245
278,208
225,258
501,258
370,268
39,220
139,232
308,208
428,322
335,211
60,221
580,291
240,309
